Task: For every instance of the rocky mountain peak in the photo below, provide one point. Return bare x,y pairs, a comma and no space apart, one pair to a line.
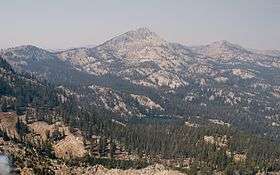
29,47
28,50
224,44
21,56
223,50
140,36
142,33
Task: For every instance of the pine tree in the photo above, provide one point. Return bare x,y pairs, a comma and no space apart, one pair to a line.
4,106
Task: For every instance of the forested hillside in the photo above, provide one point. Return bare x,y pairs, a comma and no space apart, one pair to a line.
20,90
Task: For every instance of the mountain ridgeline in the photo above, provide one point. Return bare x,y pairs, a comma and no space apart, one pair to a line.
215,106
140,74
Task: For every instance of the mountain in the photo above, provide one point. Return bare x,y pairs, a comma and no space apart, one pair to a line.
223,50
145,59
140,56
220,80
43,64
226,51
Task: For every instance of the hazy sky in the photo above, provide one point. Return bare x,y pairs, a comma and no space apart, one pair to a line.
69,23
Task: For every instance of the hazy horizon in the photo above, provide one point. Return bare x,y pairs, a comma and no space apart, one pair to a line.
66,24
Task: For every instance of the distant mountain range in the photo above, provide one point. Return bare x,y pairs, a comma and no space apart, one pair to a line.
140,74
